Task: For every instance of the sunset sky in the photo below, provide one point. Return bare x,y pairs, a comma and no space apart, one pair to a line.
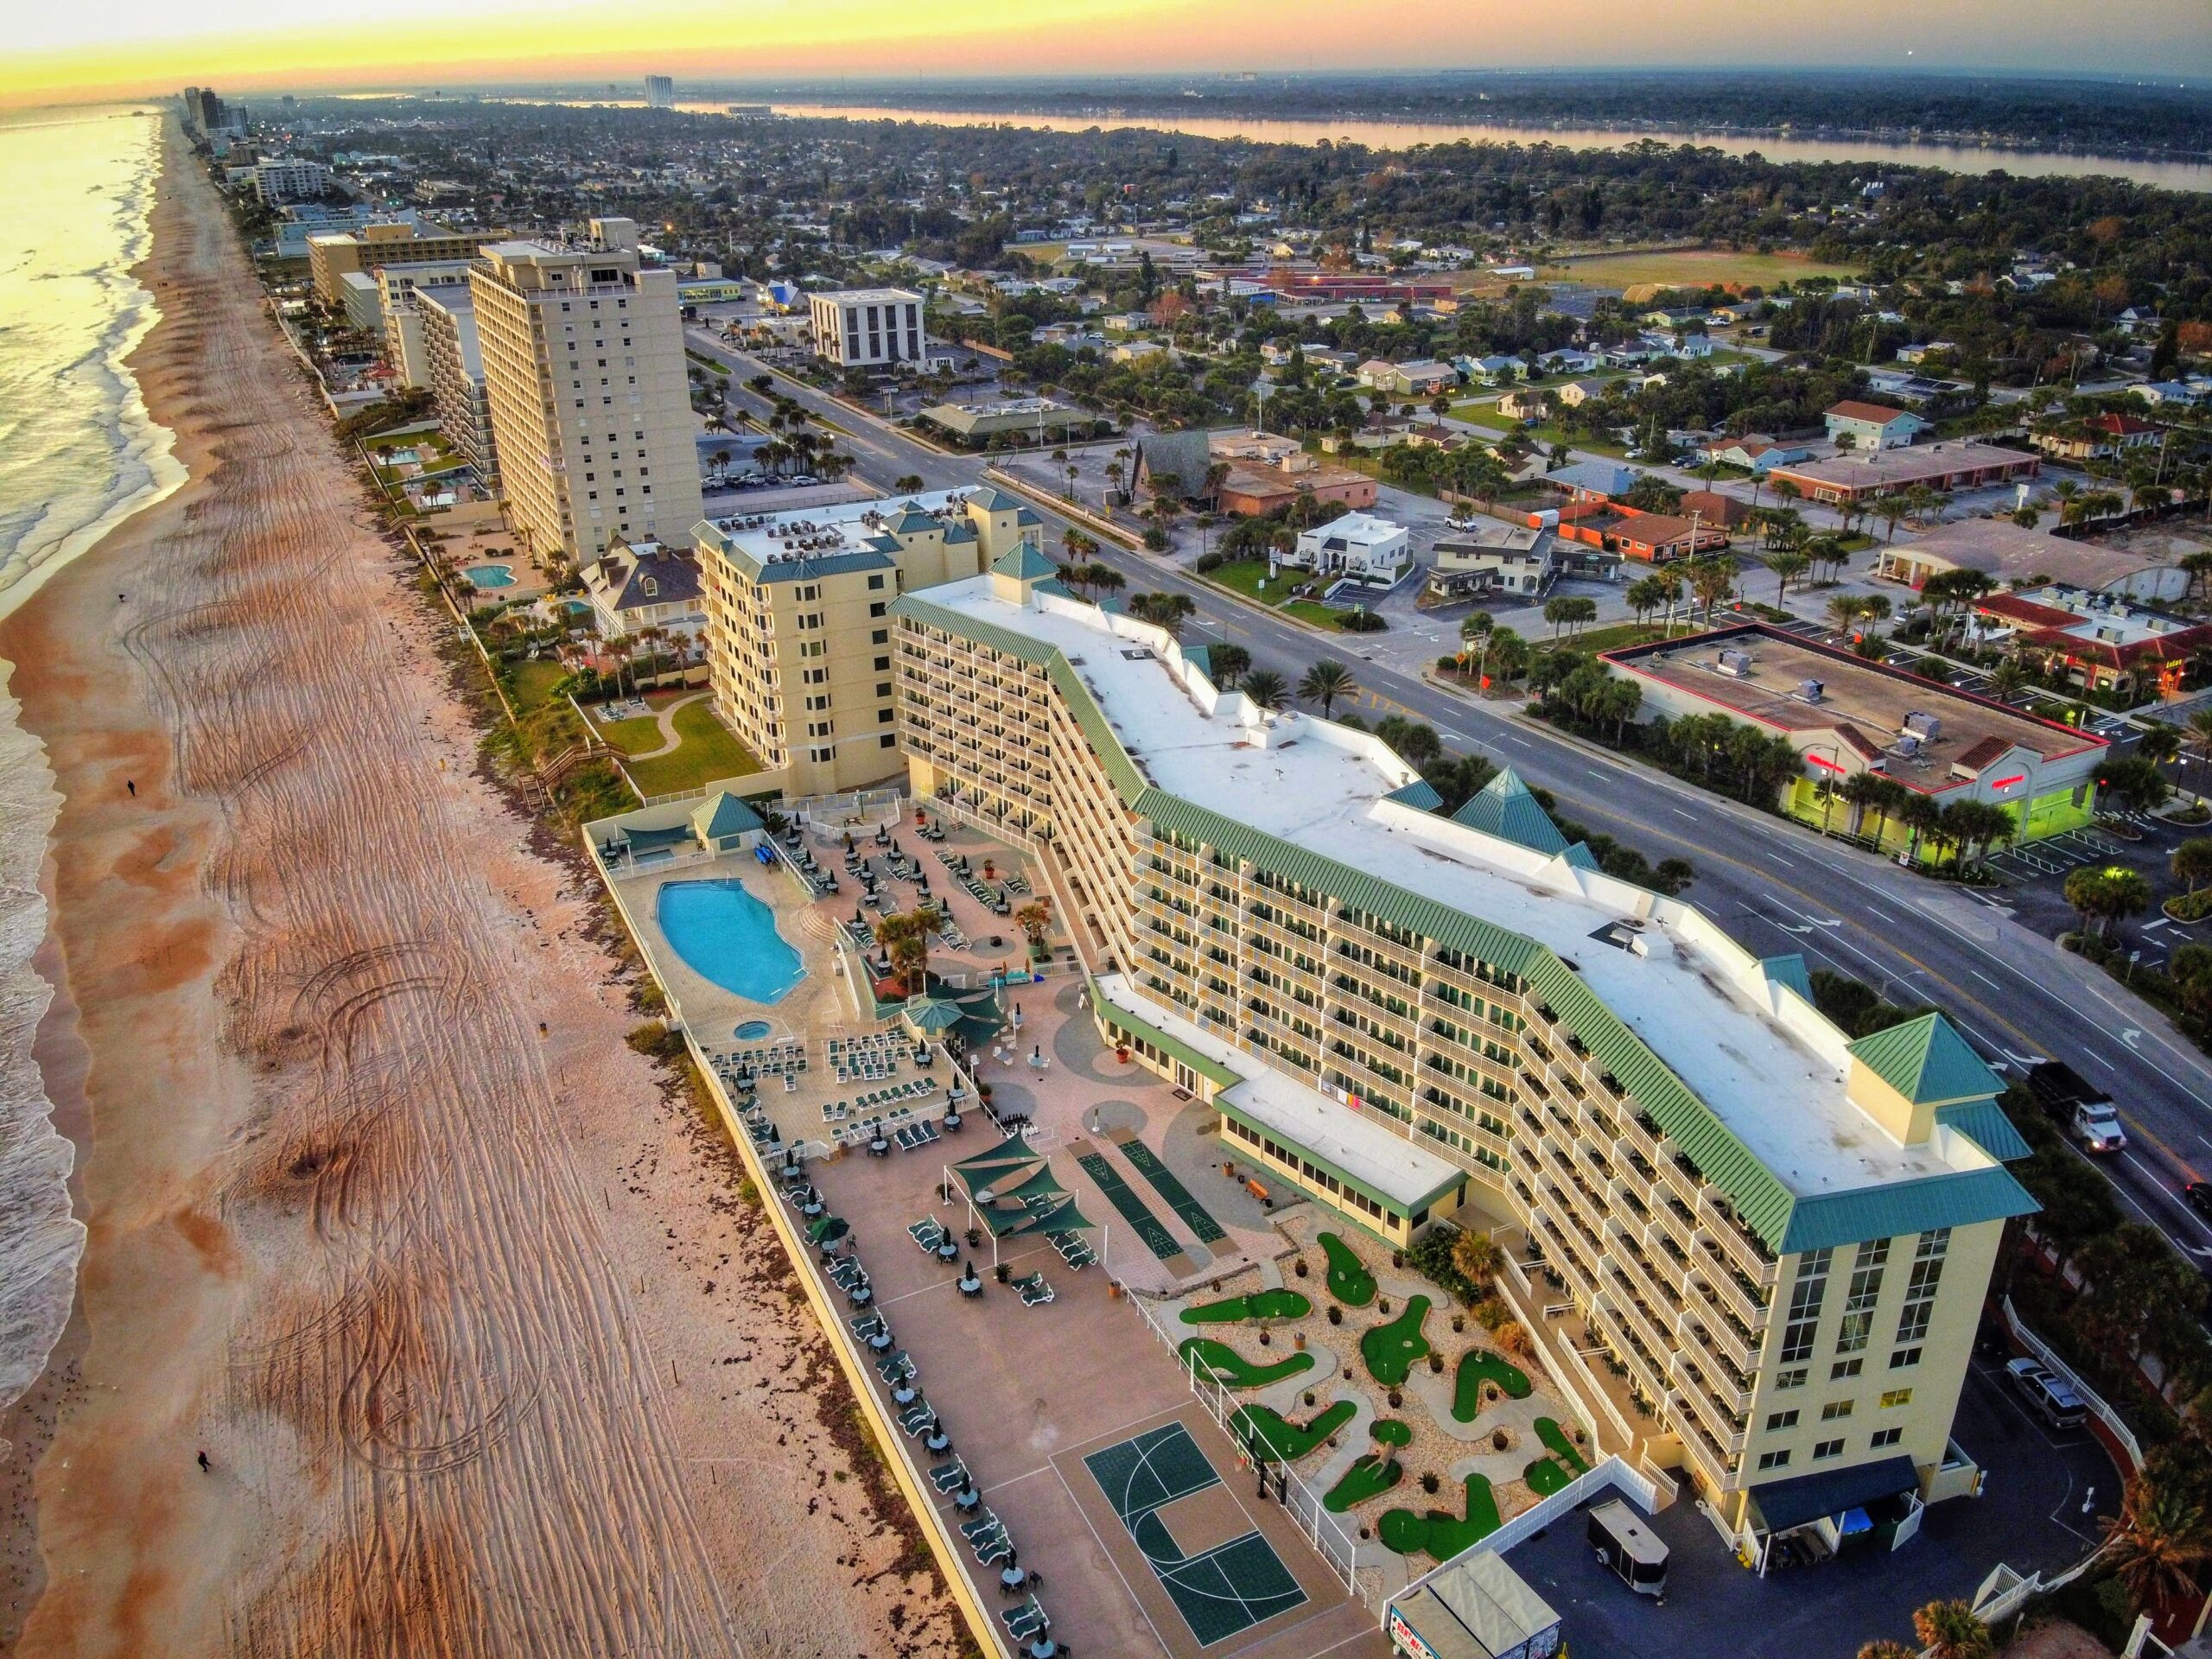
59,53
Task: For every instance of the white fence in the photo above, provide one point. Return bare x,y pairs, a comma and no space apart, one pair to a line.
1301,1502
2104,1414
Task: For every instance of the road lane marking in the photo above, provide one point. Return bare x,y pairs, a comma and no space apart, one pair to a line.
1985,979
1779,859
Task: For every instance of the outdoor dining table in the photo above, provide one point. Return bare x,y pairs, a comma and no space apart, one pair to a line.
904,1394
970,1283
859,1296
1012,1580
811,1208
1044,1648
879,1341
967,1498
937,1440
949,1251
952,1122
878,1147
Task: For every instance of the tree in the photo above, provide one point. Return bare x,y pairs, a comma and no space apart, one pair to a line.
1477,1257
2192,862
1949,1630
1710,580
905,941
1033,918
906,483
2158,1539
1167,611
1266,687
1326,682
1887,1649
1892,508
2135,783
1644,596
1788,565
1229,663
2160,742
2107,895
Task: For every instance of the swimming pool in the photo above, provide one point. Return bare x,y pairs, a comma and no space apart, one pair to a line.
728,938
491,576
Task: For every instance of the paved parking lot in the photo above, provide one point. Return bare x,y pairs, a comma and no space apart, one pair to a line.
2029,1517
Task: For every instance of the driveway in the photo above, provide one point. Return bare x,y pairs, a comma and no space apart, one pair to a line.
2029,1517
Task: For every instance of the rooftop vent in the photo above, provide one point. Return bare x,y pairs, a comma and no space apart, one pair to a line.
1736,663
1906,746
1811,690
1926,728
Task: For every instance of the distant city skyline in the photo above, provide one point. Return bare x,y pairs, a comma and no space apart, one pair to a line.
134,48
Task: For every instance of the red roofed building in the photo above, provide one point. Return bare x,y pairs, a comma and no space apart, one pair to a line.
2099,640
2100,437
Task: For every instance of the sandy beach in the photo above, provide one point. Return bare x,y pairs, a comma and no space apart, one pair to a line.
488,1351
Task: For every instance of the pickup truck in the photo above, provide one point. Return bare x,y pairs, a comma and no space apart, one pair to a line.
2085,1112
2050,1396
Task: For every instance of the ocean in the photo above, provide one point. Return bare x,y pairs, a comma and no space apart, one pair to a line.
79,454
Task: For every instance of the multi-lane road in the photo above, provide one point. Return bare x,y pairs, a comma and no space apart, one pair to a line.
1776,886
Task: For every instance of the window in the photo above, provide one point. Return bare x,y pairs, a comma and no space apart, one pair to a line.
1896,1397
1774,1459
1777,1420
1845,1367
1885,1437
1805,1297
1789,1379
1904,1357
1828,1449
1866,1290
1920,1289
889,740
1836,1410
875,581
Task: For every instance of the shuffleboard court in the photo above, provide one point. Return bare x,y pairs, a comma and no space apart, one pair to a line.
1220,1586
1179,1197
1123,1197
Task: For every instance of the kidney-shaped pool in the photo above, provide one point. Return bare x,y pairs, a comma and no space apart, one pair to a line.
728,936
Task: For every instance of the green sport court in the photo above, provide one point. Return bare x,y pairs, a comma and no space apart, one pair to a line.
1222,1589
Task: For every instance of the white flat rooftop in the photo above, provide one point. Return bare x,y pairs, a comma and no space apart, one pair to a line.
1362,1146
1774,1074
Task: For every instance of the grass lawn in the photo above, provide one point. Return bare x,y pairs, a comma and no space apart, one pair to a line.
1225,1365
1691,268
1287,1441
1616,635
1389,1431
707,753
1260,1305
1440,1533
1487,415
531,684
1370,1476
1476,1368
1306,610
1390,1350
1349,1281
1244,576
637,736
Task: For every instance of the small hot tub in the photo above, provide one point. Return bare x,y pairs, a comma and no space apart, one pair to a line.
753,1031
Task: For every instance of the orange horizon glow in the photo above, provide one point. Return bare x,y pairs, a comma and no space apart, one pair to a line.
137,48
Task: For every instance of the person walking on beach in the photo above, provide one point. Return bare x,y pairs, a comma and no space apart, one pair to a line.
205,1466
131,784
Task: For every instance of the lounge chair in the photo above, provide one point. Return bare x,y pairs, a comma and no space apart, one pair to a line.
981,1527
1025,1621
1035,1292
951,1477
917,1419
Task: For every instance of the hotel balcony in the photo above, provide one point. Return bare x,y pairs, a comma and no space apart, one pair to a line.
1737,1243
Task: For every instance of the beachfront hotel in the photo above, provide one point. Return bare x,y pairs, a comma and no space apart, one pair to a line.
1757,1248
798,630
583,354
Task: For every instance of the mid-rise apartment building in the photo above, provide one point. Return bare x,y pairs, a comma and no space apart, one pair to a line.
396,287
660,92
283,180
869,327
1780,1237
333,254
455,363
799,629
582,350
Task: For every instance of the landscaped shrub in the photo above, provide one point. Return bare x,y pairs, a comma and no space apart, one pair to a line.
1362,622
1429,1482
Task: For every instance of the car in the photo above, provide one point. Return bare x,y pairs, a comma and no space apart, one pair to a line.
2049,1395
2198,1195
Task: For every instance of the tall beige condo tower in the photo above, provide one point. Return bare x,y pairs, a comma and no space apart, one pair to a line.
583,371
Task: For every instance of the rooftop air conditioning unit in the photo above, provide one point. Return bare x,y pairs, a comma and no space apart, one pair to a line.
1737,664
1926,728
1908,747
1811,690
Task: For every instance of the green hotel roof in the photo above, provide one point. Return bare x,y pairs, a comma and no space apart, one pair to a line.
1928,1062
1025,561
1785,1222
1505,808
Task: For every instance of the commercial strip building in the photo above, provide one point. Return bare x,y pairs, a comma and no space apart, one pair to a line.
333,254
1036,421
869,327
455,365
1951,465
583,354
2097,641
1846,716
1780,1237
1356,545
2007,553
798,634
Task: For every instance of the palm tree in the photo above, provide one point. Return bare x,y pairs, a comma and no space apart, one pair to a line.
1843,609
1326,682
1949,1630
2200,733
1885,1648
1710,579
1480,626
2107,895
1266,687
2160,742
2159,1537
1033,918
1477,1256
1788,565
905,940
905,483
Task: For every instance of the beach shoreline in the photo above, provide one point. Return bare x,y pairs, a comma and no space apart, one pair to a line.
487,1352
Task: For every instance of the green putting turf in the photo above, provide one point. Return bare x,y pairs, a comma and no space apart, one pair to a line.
1545,1476
1349,1281
1260,1305
1476,1368
1225,1365
1370,1475
1390,1350
1440,1533
1556,1442
1287,1441
1389,1431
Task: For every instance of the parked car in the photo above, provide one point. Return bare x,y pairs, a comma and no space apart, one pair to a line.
2049,1395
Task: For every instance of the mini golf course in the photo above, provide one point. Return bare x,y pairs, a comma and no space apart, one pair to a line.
1223,1363
1349,1281
1370,1475
1260,1305
1551,1474
1440,1533
1287,1441
1390,1350
1476,1368
1389,1431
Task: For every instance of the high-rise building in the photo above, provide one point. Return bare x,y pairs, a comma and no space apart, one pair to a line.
396,289
290,180
660,92
799,634
869,327
583,369
1775,1241
332,255
455,369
